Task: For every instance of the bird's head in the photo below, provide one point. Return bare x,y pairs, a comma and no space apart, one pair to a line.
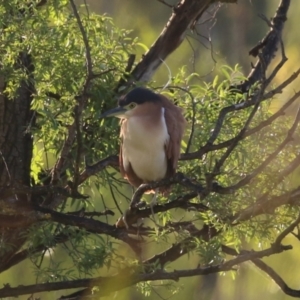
131,101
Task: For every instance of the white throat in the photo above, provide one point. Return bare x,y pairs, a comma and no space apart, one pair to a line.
144,147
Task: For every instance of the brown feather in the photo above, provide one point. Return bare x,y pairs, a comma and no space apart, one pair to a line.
175,124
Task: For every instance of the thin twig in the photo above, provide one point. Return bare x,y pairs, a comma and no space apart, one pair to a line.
88,57
271,157
288,230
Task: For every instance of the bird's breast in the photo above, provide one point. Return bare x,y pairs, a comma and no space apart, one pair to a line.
144,147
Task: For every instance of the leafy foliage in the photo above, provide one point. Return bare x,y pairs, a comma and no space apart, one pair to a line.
237,190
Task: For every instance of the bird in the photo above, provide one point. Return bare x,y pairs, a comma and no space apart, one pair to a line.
152,128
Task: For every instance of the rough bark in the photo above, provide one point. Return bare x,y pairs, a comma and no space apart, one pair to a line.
16,143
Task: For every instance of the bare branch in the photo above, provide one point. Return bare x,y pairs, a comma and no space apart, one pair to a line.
280,64
268,270
283,85
165,3
268,46
184,15
83,213
277,279
112,161
88,57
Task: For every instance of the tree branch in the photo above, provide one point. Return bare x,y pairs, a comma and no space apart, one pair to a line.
268,205
268,46
78,109
184,15
277,279
271,157
130,276
22,255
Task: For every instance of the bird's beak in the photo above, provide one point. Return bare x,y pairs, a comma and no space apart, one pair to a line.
118,112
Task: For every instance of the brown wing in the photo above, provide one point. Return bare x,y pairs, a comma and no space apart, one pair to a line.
175,124
127,172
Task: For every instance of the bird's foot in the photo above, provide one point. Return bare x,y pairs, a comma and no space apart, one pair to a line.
152,204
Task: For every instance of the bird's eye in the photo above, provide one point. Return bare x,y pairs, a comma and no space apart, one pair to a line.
132,105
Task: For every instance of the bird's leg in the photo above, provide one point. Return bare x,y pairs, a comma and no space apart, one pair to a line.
125,214
152,204
124,219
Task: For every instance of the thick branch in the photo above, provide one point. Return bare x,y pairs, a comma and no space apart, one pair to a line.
112,161
268,46
129,276
184,15
277,279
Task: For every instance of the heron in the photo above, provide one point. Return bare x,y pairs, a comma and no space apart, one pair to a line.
152,128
